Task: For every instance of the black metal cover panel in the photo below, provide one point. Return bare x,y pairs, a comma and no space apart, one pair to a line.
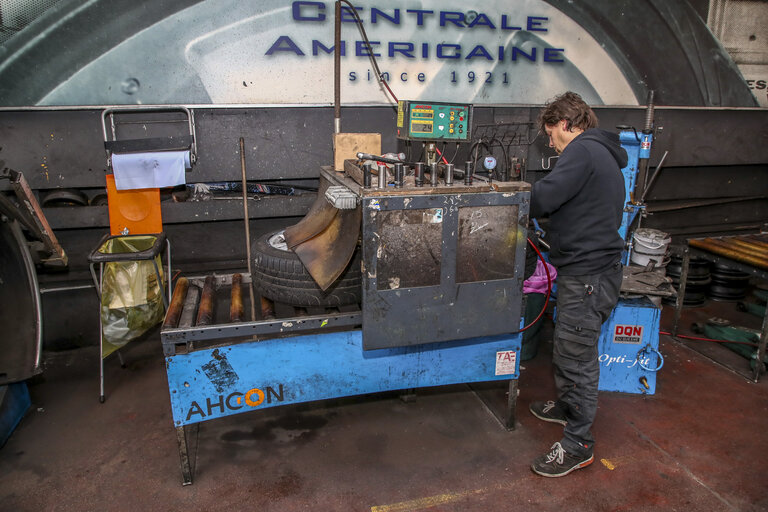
19,307
442,266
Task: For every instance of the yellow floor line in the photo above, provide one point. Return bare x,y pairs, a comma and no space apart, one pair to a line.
422,503
440,499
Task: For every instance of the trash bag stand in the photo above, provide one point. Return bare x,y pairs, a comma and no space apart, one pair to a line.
150,254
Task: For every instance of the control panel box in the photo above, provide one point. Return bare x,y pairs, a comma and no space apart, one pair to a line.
433,121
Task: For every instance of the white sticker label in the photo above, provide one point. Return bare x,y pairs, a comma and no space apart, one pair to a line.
628,334
506,361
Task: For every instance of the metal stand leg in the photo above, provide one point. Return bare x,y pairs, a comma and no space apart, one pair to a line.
761,347
509,423
681,289
170,276
186,466
101,330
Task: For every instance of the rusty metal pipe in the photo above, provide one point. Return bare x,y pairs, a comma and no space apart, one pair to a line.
236,309
205,312
177,303
189,311
267,309
746,246
722,249
733,244
757,241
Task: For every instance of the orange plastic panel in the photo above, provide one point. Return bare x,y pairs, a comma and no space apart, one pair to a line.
138,211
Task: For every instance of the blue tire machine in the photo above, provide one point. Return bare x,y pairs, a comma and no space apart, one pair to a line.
442,303
629,339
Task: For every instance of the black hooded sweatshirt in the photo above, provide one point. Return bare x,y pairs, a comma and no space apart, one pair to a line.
584,199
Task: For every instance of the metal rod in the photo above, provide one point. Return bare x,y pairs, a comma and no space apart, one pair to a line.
468,172
236,310
205,312
367,175
66,288
337,69
419,174
382,176
449,175
433,174
177,303
761,348
653,177
680,299
399,175
247,224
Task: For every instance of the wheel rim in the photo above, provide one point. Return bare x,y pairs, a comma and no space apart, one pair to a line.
277,241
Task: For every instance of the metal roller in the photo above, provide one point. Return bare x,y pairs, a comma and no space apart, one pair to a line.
177,303
189,311
723,249
267,309
205,312
236,309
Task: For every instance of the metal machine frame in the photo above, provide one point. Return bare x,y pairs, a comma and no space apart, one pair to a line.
395,342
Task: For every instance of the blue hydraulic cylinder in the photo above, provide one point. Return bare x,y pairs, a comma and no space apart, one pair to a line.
631,142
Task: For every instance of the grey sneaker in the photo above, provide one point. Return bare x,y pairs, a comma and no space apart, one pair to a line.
558,462
548,411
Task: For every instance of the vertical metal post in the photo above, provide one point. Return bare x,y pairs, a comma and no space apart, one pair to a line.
101,336
337,69
681,288
247,220
761,347
509,422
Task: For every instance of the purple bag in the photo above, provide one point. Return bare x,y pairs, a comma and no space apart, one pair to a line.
537,283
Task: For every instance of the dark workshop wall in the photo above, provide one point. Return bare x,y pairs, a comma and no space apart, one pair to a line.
261,71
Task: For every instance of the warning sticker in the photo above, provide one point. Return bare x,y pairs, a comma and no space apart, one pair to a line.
628,334
506,362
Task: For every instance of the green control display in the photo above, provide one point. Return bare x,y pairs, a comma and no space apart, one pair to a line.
433,121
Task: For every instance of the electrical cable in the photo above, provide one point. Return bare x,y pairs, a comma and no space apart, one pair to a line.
375,65
441,155
455,153
549,288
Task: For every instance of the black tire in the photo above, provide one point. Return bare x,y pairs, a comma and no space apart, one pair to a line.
279,275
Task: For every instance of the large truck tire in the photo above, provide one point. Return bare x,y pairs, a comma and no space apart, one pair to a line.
279,275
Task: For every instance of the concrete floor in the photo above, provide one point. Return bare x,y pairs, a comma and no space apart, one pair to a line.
698,444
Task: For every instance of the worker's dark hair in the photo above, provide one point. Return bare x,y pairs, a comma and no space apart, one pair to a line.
569,107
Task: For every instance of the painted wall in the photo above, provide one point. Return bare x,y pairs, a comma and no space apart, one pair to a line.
96,52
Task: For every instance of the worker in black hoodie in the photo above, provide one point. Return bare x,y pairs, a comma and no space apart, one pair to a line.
583,197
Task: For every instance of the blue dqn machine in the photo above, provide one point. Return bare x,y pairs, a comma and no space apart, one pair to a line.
629,339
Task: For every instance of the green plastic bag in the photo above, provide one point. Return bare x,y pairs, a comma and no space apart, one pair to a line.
131,297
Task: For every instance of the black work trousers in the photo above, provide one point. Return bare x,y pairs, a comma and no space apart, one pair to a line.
583,304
